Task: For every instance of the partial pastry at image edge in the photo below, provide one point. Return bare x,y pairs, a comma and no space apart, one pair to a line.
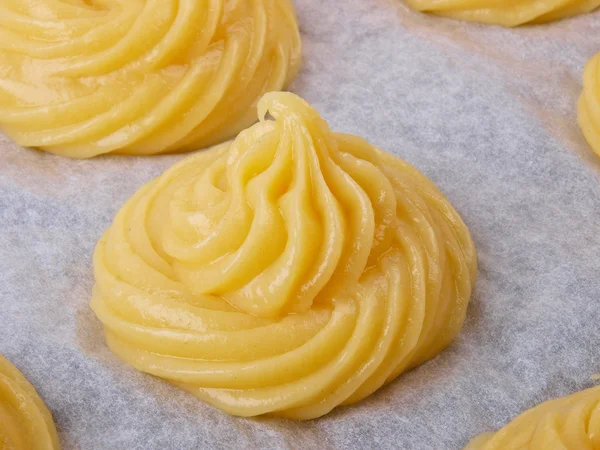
588,109
81,79
507,14
25,422
570,423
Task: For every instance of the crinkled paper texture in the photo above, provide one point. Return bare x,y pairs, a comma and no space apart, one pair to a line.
489,114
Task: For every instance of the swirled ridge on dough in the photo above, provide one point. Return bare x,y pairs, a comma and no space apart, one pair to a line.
25,422
81,78
287,273
506,13
589,104
567,423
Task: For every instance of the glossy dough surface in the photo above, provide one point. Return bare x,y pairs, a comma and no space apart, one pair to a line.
25,422
81,78
508,13
288,273
567,423
589,104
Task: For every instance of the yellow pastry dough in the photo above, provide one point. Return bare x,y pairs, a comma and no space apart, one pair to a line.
589,104
289,272
508,13
81,78
25,422
568,423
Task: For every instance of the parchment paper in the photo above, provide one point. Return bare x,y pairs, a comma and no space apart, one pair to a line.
488,113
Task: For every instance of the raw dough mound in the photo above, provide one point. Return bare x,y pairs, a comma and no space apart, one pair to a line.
568,423
289,272
81,78
504,12
25,422
589,104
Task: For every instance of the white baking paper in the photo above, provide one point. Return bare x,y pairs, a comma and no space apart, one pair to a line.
489,114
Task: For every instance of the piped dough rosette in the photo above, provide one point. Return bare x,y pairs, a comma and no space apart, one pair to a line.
589,104
506,13
287,273
25,422
567,423
81,78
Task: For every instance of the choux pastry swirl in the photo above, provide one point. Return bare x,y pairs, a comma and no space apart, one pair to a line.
506,13
589,104
567,423
81,78
25,422
289,272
